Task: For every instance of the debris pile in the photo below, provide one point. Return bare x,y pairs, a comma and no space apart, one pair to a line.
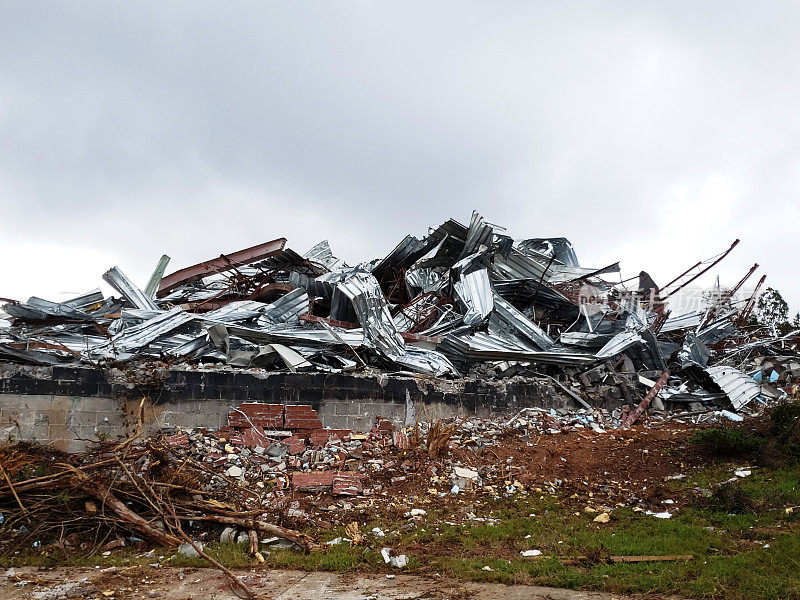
463,301
262,483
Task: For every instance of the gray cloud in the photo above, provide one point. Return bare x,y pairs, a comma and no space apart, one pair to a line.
645,132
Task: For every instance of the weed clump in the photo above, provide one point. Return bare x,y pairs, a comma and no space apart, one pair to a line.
730,498
785,429
726,443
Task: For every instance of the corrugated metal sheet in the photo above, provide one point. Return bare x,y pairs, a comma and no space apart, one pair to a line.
369,303
405,254
475,293
520,324
321,254
559,247
684,321
481,346
40,309
286,309
619,343
740,388
518,266
138,336
120,282
585,339
304,336
479,235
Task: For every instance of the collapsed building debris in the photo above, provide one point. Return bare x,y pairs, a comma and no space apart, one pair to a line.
463,301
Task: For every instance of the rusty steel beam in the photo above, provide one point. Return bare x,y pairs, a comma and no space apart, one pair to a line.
220,264
744,314
727,296
634,415
708,268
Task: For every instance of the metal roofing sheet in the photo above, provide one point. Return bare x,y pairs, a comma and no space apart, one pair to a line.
740,388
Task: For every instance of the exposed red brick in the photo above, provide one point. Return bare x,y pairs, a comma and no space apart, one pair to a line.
313,482
400,439
301,416
318,438
298,409
347,484
259,415
179,440
253,437
339,434
384,424
296,444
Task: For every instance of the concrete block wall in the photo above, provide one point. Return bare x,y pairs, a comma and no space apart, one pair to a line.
70,407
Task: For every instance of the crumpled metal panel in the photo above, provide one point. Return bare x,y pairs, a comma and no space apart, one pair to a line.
518,266
236,312
521,324
423,281
120,282
559,247
716,331
740,388
449,240
354,338
321,254
327,361
380,332
405,254
563,273
480,346
479,236
32,357
258,356
40,309
619,343
85,301
685,321
584,339
286,309
138,336
474,290
693,352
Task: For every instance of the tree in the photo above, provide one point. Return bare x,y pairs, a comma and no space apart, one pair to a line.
772,310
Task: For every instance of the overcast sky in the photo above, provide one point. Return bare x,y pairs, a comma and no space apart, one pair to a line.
654,133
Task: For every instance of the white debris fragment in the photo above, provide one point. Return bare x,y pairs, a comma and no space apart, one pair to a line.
234,471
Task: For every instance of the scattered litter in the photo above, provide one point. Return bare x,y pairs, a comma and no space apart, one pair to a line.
398,561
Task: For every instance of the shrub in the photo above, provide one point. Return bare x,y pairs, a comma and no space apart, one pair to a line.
726,443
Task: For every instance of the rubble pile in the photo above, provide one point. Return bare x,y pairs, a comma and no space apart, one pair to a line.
288,483
463,301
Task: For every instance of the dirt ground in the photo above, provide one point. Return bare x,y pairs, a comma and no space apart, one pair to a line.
208,584
618,467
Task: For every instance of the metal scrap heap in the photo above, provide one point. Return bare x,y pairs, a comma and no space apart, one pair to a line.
464,300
